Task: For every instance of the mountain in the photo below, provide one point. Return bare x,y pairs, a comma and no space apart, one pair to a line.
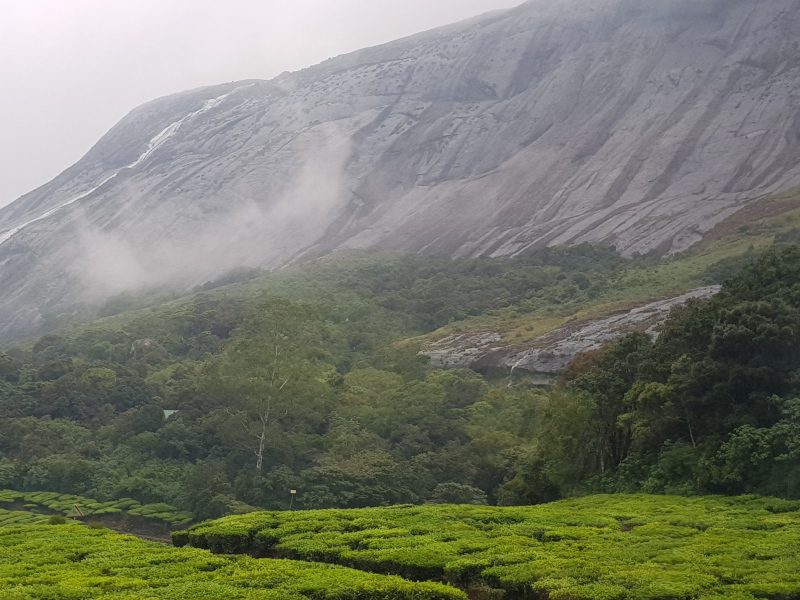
637,123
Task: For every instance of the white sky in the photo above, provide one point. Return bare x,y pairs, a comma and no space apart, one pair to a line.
70,69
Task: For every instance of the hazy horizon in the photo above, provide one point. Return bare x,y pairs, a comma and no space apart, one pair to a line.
72,71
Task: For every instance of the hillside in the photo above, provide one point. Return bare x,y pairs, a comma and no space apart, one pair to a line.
637,298
633,123
310,379
504,310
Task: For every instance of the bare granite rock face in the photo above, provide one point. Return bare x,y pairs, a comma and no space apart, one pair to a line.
552,352
637,123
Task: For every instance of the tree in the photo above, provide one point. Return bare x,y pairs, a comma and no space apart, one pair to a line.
765,459
9,368
273,381
607,386
457,493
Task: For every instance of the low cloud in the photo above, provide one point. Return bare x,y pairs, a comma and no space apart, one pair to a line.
258,232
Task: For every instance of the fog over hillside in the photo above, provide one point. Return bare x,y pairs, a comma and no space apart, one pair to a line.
634,123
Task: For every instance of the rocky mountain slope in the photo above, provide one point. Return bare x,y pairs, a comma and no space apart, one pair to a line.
554,351
639,123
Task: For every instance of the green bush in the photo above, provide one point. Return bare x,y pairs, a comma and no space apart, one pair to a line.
65,504
621,547
75,562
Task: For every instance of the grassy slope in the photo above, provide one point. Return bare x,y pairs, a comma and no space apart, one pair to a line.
745,233
601,547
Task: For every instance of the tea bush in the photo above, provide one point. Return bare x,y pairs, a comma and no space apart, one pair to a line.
39,562
622,547
53,502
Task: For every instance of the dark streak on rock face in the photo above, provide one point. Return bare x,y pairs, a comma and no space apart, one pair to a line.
641,123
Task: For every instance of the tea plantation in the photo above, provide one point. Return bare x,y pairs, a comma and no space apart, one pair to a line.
19,517
72,562
617,547
65,504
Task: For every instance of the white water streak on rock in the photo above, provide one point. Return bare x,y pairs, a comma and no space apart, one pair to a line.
155,143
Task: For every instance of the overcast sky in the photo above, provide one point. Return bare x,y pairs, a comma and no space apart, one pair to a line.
70,69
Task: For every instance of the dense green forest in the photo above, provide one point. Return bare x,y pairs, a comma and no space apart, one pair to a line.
299,382
309,379
711,406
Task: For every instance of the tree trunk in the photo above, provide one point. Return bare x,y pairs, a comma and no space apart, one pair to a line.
262,437
689,425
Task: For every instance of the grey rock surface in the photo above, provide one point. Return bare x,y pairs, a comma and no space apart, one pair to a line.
637,123
554,351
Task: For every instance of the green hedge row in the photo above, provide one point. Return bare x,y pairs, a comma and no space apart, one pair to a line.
71,562
19,517
618,547
65,504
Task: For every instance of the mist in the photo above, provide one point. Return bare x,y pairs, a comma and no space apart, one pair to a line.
258,232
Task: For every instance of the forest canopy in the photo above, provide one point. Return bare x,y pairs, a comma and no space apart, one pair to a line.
227,400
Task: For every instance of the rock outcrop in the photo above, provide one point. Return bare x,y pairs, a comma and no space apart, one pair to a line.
639,123
554,351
